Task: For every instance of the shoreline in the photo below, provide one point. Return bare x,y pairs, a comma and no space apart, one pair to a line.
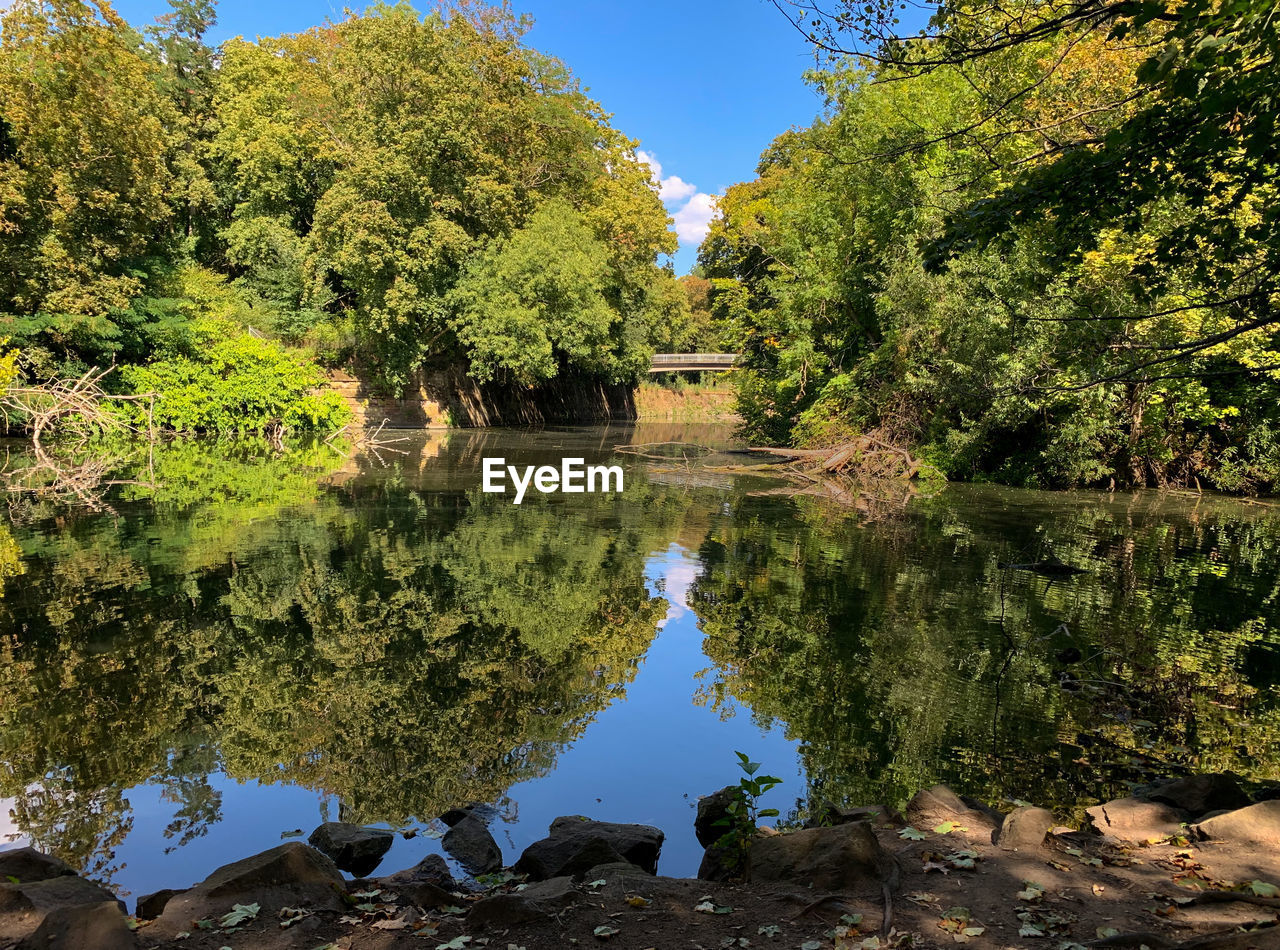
1188,863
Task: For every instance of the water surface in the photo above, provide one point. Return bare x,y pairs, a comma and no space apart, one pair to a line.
253,642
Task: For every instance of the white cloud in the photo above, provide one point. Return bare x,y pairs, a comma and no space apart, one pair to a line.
694,219
691,209
675,189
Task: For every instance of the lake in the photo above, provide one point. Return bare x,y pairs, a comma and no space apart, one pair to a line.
247,643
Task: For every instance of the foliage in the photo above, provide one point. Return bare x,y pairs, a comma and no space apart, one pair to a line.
743,813
976,251
391,190
232,381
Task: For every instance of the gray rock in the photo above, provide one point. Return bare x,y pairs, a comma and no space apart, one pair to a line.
433,869
353,848
712,810
1257,825
28,864
721,862
471,844
1136,819
577,844
1024,829
288,875
98,926
842,858
1199,794
151,906
536,902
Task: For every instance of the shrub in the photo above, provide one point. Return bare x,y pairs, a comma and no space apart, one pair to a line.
234,382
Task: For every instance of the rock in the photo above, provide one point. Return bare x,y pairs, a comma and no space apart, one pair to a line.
825,859
830,815
480,811
470,842
1198,794
720,862
288,875
433,869
1269,794
1255,825
28,864
353,848
1136,819
23,907
577,844
713,809
537,901
98,926
1024,829
151,906
933,806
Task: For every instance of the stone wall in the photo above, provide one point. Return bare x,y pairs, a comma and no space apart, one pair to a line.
441,398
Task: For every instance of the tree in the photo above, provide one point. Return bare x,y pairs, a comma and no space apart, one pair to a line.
84,185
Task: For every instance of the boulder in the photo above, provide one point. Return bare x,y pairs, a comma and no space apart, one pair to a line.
288,875
1136,819
720,862
23,907
1024,829
151,906
28,864
1199,794
353,848
1257,825
712,810
577,844
471,844
829,815
842,858
433,869
933,806
536,902
98,926
478,810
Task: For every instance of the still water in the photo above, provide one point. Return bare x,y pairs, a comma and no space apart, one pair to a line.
252,642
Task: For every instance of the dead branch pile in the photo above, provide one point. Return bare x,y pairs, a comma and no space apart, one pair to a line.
864,457
76,407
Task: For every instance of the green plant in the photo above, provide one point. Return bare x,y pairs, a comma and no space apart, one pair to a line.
742,812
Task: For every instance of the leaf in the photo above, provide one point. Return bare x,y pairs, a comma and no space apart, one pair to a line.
604,932
811,945
1262,889
635,900
769,930
594,884
457,943
1029,929
182,935
1031,891
911,834
1105,932
291,915
947,827
239,914
400,923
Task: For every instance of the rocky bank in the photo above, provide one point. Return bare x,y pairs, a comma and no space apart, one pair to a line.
1192,864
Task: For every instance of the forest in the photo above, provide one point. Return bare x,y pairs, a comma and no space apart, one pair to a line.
1038,241
391,190
1035,243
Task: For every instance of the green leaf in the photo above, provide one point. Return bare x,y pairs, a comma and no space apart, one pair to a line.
1262,889
911,834
604,932
239,914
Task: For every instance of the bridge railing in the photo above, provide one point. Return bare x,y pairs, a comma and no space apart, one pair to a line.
693,360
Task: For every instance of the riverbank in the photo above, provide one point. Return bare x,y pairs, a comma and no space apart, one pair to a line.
690,403
1191,863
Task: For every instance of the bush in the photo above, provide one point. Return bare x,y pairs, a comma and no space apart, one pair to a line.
234,382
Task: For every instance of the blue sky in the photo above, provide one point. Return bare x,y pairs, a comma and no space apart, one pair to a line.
704,84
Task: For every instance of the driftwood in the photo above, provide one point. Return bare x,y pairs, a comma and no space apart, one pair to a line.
863,457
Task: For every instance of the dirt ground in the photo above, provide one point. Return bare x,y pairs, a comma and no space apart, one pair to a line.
954,888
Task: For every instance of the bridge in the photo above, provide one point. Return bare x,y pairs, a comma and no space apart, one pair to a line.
692,362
